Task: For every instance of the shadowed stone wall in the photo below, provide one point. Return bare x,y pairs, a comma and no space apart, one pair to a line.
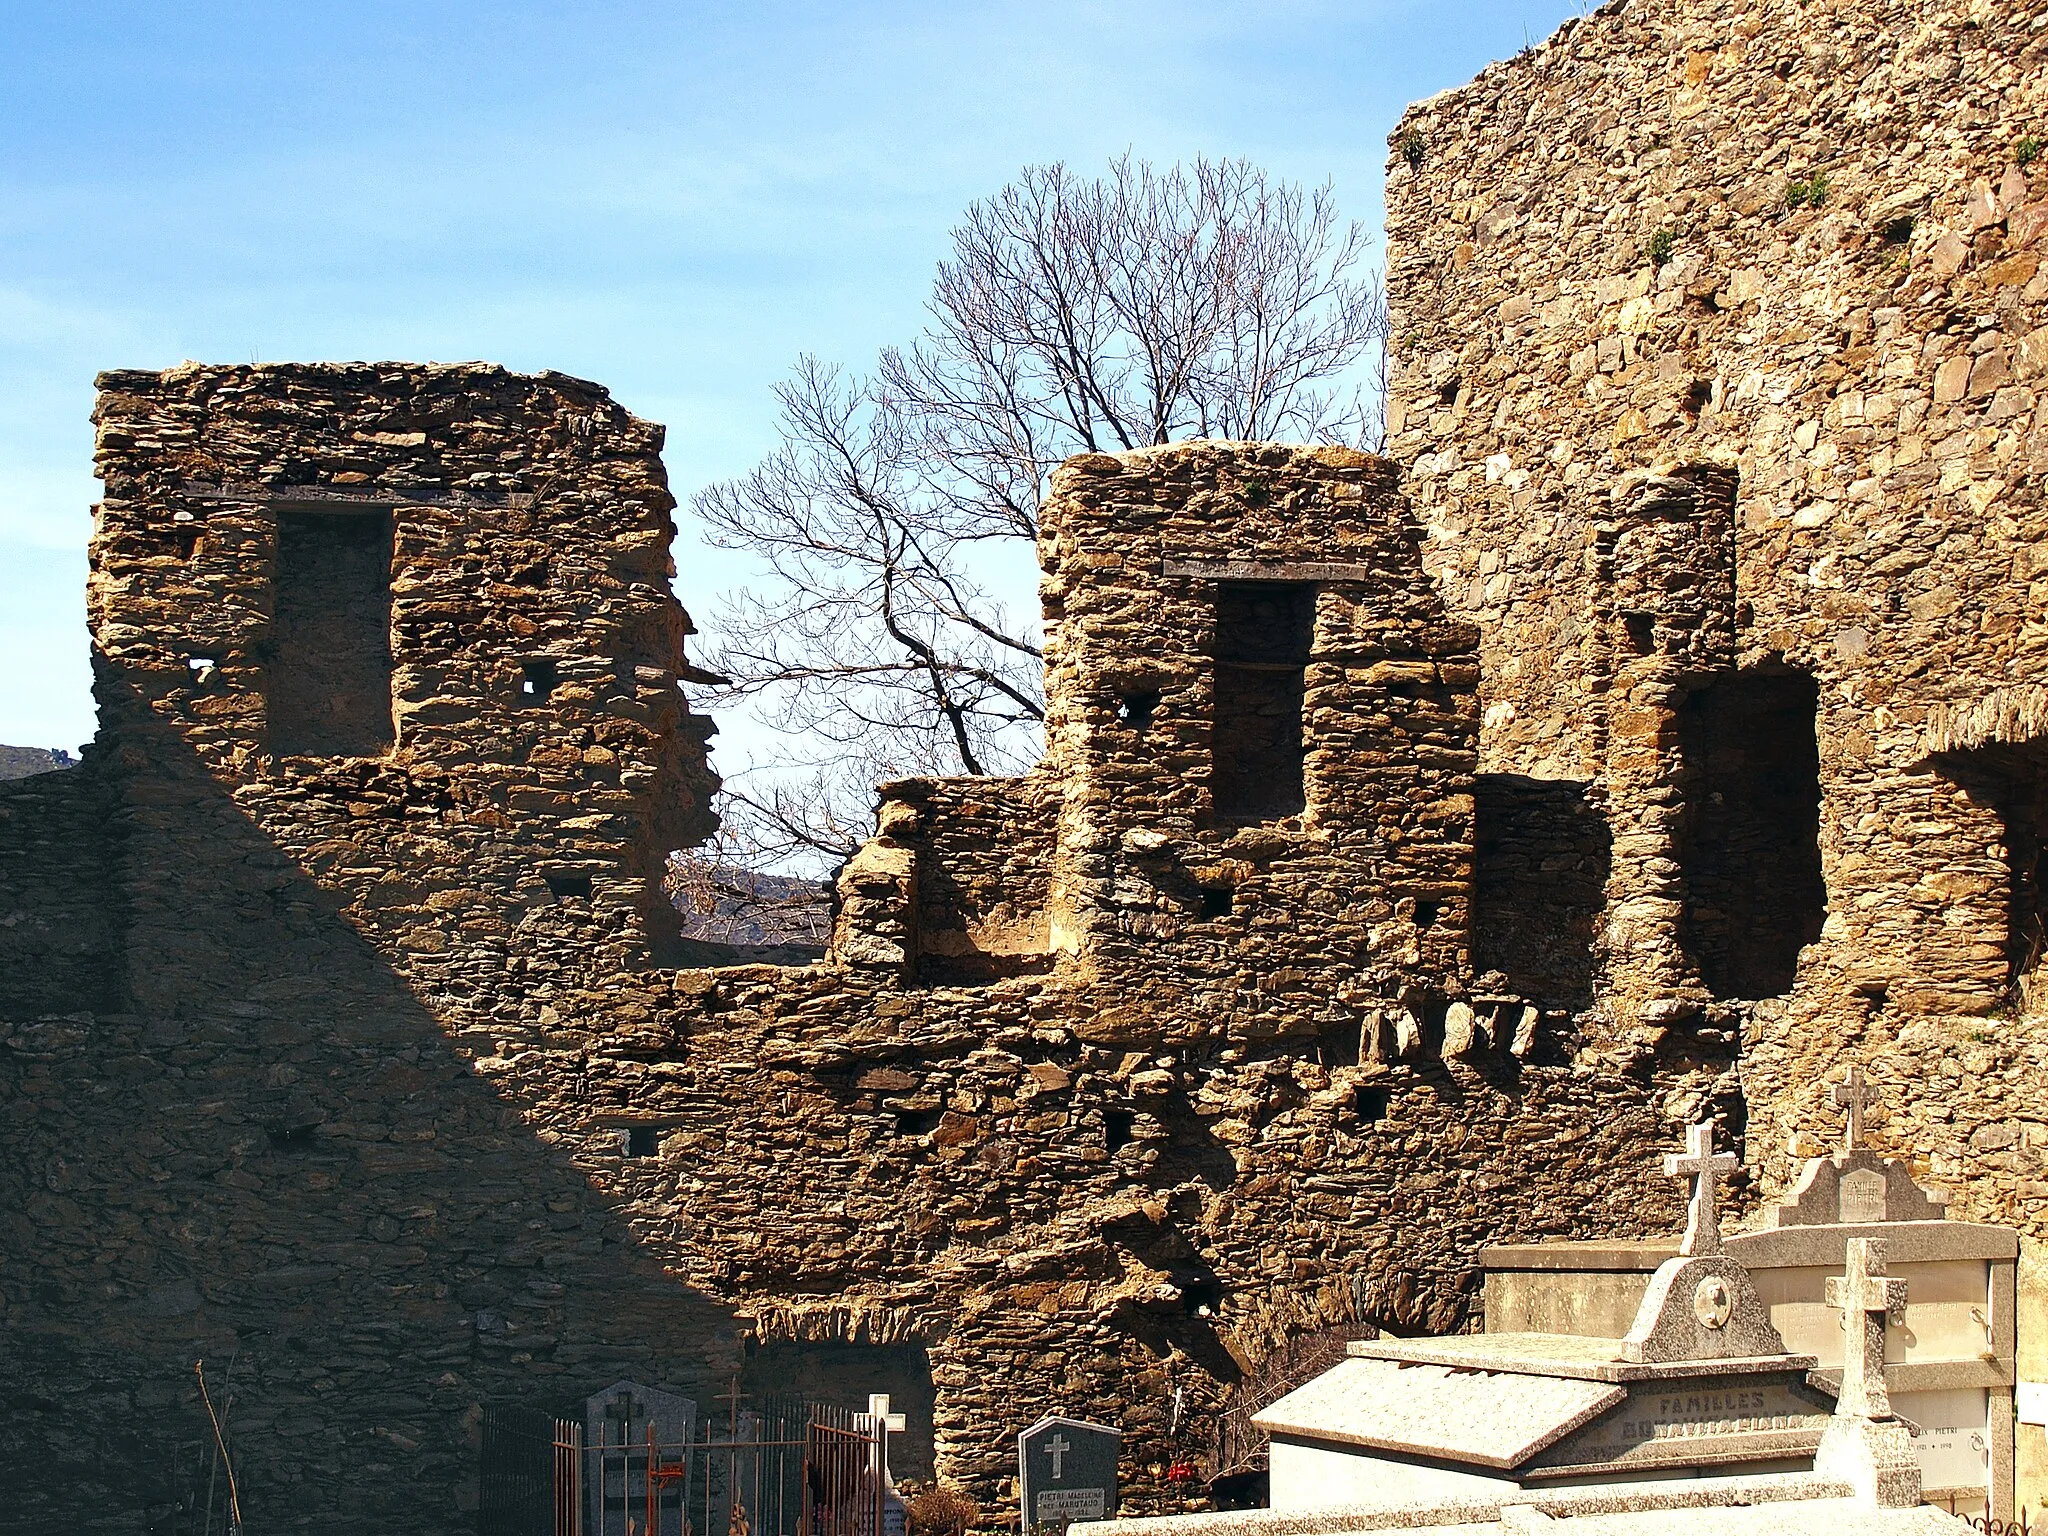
372,1085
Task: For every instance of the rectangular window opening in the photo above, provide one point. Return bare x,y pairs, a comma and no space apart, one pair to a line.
328,681
640,1141
1369,1105
537,679
1750,851
1264,631
2011,778
1542,853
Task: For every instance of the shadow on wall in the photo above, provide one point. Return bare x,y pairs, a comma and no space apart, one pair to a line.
2010,779
271,1158
1541,858
1750,848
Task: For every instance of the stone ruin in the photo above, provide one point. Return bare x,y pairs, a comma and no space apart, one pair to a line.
1419,839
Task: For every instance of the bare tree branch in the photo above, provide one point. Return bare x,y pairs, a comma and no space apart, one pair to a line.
1141,307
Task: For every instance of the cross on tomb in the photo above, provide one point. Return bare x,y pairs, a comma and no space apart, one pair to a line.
731,1397
879,1424
1868,1300
1704,1166
1854,1095
623,1410
1057,1448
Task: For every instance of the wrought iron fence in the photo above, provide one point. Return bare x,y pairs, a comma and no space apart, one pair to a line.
1989,1526
780,1468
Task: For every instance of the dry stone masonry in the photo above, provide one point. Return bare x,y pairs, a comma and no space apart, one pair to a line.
346,1050
1720,375
1420,841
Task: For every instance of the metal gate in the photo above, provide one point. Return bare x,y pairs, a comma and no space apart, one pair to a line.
779,1469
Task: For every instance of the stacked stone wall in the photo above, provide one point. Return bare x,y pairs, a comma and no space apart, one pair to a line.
1799,245
400,1113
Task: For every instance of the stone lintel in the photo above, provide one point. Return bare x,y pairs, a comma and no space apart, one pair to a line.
1272,570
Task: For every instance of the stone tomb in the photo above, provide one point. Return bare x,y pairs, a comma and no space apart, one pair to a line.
1949,1368
1066,1471
616,1422
1864,1480
1701,1384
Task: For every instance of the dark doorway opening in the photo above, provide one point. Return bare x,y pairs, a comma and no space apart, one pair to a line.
1541,857
1750,847
328,678
1263,633
846,1375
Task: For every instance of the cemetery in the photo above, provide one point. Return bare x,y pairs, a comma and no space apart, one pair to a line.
1643,751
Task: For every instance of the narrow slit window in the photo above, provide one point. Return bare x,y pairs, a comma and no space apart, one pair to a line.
328,684
1263,633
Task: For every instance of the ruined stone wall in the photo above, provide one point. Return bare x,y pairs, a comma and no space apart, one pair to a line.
397,1112
1163,576
1798,245
980,871
61,935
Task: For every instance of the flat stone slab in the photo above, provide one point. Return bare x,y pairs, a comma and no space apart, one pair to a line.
1565,1355
1795,1504
1473,1416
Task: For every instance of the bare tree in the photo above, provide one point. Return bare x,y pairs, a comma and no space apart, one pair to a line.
1142,307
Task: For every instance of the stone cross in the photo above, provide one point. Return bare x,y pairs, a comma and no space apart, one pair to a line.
1854,1096
880,1423
1057,1448
1704,1166
1868,1300
623,1410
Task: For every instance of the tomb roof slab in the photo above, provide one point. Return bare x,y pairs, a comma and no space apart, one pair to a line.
1574,1356
1484,1418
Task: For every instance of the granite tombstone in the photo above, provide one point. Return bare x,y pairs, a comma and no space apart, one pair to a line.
1066,1470
617,1425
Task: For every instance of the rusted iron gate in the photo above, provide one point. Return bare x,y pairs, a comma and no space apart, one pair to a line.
778,1469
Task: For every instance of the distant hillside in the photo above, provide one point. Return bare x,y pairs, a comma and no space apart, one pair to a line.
20,762
726,904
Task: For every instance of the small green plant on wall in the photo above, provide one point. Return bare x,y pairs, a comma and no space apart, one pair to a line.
2027,151
1660,245
1809,193
1410,146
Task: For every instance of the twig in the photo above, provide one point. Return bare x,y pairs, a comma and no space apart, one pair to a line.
221,1444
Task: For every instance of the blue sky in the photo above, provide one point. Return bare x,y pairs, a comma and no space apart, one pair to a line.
674,200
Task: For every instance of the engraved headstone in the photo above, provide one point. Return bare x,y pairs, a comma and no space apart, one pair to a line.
1862,1196
1066,1471
1701,1305
623,1412
1855,1186
619,1418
